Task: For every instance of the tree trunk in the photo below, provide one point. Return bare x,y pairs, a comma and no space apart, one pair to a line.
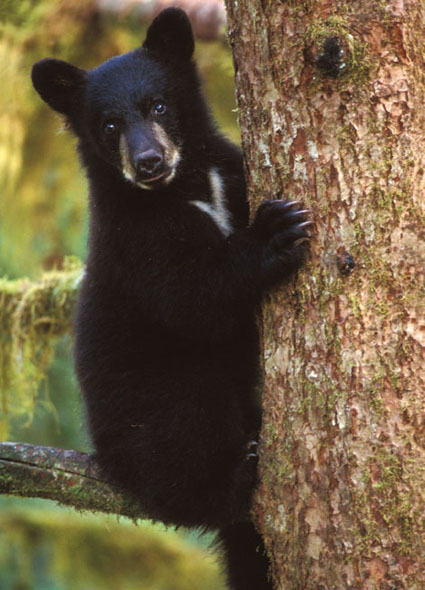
331,104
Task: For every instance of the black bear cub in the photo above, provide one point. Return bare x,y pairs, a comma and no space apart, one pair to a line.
167,348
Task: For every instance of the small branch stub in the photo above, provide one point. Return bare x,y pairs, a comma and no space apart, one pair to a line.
331,59
345,263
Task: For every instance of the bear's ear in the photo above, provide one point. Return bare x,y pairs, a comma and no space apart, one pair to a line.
171,34
59,83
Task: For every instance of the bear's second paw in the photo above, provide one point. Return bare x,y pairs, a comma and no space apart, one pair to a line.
284,228
251,451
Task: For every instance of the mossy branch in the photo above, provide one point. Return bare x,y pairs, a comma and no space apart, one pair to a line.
65,476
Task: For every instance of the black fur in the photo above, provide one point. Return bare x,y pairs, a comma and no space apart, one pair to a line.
167,349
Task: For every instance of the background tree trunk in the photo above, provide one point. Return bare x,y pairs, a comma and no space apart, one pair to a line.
331,106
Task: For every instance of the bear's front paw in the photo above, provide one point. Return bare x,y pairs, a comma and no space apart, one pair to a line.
284,219
283,227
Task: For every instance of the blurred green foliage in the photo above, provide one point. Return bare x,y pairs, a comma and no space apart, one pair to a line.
43,219
63,551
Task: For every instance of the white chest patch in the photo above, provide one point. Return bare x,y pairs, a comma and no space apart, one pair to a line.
217,210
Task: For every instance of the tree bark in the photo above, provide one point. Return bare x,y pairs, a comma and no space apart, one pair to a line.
331,106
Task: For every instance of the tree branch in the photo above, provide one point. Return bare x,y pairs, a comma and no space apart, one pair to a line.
66,476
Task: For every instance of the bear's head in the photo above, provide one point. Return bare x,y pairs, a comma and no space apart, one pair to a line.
130,110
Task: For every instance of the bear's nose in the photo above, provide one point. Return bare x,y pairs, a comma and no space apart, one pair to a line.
149,163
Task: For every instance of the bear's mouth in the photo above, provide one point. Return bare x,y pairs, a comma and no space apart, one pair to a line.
163,178
152,165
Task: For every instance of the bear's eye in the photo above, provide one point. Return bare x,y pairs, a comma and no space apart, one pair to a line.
110,128
159,108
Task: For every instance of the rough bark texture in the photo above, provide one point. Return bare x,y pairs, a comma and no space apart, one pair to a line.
331,105
68,477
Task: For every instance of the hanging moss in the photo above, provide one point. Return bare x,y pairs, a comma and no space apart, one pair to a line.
32,316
